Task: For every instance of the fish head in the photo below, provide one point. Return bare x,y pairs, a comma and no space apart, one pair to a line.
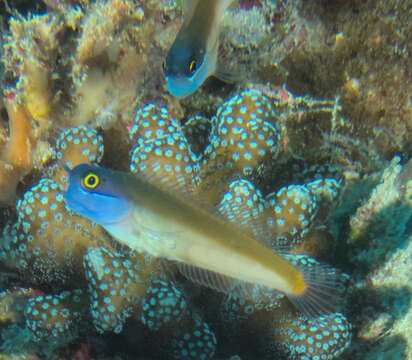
186,67
97,193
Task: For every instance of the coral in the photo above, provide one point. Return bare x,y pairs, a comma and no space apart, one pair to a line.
162,304
383,195
311,48
120,284
195,341
97,98
242,192
242,138
75,146
60,69
380,254
396,273
12,303
385,201
116,282
291,211
162,151
404,182
322,338
17,155
253,20
21,140
151,122
31,48
373,84
271,30
55,315
106,19
47,242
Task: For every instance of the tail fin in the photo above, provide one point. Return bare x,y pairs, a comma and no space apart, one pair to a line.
325,287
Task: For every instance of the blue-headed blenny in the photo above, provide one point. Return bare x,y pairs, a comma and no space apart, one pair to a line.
193,55
214,252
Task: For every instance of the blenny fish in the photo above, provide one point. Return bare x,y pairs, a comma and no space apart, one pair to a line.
212,251
193,56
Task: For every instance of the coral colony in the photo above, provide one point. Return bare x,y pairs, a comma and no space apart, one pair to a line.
83,84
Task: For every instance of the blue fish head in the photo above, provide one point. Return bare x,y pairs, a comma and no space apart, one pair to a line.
186,68
97,193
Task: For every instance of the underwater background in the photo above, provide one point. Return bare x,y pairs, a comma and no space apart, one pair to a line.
317,113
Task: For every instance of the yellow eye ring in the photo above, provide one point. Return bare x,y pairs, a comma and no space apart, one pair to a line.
90,181
192,66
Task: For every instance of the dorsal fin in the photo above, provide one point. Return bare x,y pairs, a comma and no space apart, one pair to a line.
167,163
243,205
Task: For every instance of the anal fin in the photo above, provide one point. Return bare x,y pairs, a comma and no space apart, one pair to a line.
167,163
230,286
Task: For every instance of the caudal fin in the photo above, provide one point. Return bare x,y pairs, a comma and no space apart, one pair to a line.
324,290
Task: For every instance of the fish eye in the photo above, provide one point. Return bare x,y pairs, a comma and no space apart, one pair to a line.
90,181
192,67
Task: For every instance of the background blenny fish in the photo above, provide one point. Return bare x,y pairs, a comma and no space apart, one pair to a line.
193,55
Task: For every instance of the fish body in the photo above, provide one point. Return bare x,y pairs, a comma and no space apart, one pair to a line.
153,220
150,219
193,55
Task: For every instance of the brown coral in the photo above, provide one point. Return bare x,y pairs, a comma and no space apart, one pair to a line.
16,158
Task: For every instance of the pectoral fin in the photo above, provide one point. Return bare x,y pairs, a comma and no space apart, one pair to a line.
146,240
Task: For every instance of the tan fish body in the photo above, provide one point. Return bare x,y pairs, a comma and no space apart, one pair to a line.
166,226
167,223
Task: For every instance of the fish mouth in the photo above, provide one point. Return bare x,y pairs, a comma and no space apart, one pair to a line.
76,206
180,86
88,210
79,207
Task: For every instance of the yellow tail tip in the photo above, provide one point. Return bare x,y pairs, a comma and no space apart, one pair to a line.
318,289
300,286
